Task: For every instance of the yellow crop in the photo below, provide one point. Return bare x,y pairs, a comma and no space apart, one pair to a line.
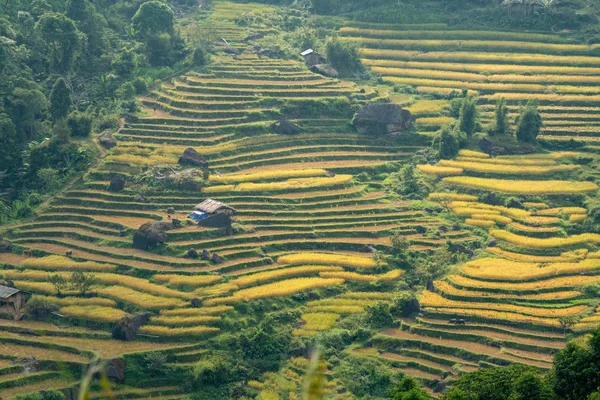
508,161
349,276
557,155
506,169
390,275
472,57
140,299
185,280
367,295
479,222
78,301
436,121
577,217
338,309
552,283
140,284
61,262
281,288
446,288
491,217
452,196
557,98
319,321
537,220
531,258
502,69
483,44
472,153
183,321
444,34
439,170
142,160
165,331
431,299
562,210
273,174
547,243
510,87
299,183
341,302
490,209
473,210
500,315
523,187
190,312
93,313
35,287
427,107
500,269
527,228
281,273
328,259
533,204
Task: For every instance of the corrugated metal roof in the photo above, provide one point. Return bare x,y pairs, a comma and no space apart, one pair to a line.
6,292
210,206
307,52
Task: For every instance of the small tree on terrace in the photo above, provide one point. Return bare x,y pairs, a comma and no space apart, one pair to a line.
60,100
59,282
82,282
500,126
529,123
467,119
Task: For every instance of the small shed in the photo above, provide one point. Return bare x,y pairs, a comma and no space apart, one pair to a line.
311,57
11,297
212,207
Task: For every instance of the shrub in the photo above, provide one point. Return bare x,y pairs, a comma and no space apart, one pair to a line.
343,56
447,142
39,308
529,123
199,57
140,85
500,125
49,179
467,118
80,124
60,99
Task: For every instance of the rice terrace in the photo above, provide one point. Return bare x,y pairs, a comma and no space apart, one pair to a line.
300,199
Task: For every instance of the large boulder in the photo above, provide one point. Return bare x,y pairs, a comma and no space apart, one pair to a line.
191,157
126,329
231,50
106,140
503,147
115,370
381,119
5,246
151,234
254,36
325,70
117,184
285,127
30,364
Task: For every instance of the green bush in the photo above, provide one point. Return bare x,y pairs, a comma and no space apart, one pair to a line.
529,123
343,56
80,124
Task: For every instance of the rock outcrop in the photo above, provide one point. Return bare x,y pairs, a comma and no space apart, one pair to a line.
192,158
126,329
117,184
106,140
285,127
325,70
381,119
151,234
5,246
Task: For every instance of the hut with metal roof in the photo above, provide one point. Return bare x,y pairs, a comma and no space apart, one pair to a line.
210,207
11,297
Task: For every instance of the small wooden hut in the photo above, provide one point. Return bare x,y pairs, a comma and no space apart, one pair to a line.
11,298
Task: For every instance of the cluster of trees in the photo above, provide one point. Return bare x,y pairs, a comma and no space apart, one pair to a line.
66,69
575,376
451,138
79,281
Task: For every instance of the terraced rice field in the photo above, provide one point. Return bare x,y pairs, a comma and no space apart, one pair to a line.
562,76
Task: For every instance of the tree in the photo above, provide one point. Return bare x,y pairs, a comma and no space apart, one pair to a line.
567,322
447,142
530,386
408,389
379,315
82,282
153,17
343,56
59,282
60,100
500,125
409,180
468,116
8,143
62,38
576,373
80,124
529,123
